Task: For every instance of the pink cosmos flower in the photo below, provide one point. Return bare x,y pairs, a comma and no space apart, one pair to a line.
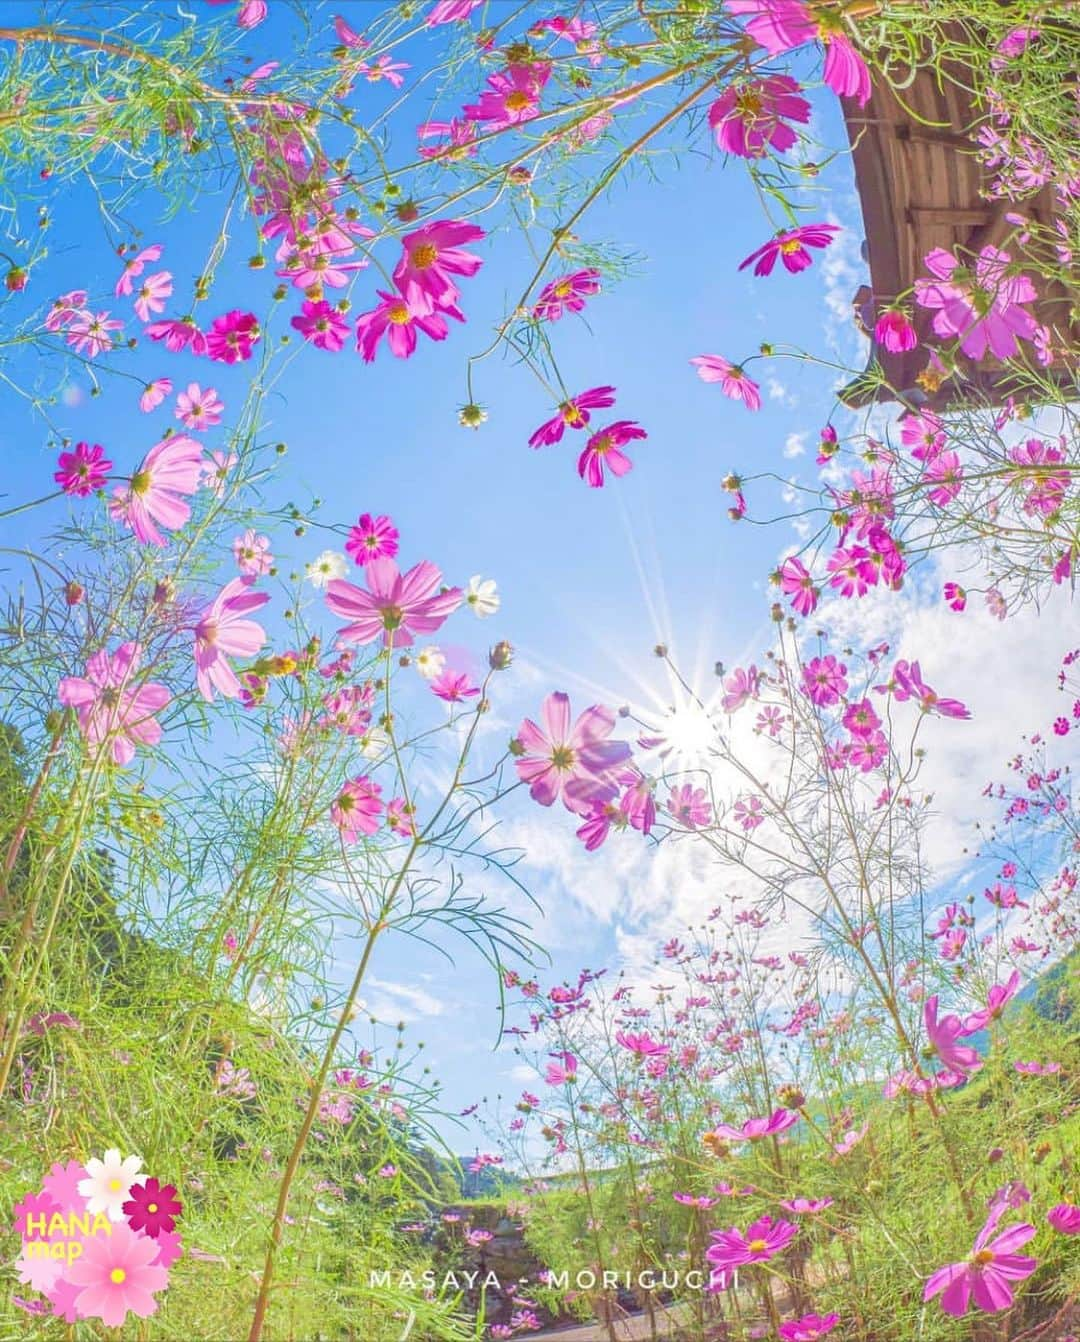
689,805
372,538
348,36
1037,1068
512,97
985,1277
384,68
459,143
983,308
782,25
739,688
133,268
91,333
643,1045
907,683
943,1036
178,335
215,471
357,808
733,381
83,470
1065,1218
571,763
756,1128
64,309
796,583
199,409
223,631
825,680
429,257
809,1328
764,1238
154,393
233,337
252,554
604,450
894,332
118,1276
996,1000
453,686
250,14
1046,487
563,1071
399,322
152,294
395,605
321,325
399,817
955,596
789,246
806,1206
567,294
152,497
451,11
845,70
572,414
750,119
108,705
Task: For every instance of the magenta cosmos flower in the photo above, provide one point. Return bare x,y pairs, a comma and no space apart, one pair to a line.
809,1328
562,1071
83,470
321,325
825,680
118,1276
984,1277
399,322
756,1128
134,267
643,1044
907,683
943,1036
567,294
997,999
751,119
604,449
764,1238
572,414
223,631
1065,1218
396,605
981,307
109,705
512,96
796,583
233,337
372,538
152,497
152,1207
573,763
733,381
429,257
451,11
357,808
782,25
894,332
790,247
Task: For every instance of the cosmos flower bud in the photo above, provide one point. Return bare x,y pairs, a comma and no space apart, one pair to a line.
15,279
500,656
471,416
776,613
73,592
516,747
164,592
791,1097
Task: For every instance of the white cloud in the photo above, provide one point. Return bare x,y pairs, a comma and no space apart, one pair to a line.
389,1001
794,445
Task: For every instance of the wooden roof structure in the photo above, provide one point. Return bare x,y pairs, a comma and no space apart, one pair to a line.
922,187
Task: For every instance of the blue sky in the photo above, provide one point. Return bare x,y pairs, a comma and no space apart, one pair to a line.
590,579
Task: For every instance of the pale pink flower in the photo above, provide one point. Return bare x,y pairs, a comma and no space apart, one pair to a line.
223,631
152,497
982,307
690,806
574,763
357,808
110,707
154,393
118,1276
451,11
252,553
754,1129
563,1071
986,1276
199,409
133,268
395,606
91,333
944,1035
733,381
152,294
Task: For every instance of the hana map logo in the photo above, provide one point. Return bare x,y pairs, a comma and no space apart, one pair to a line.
97,1240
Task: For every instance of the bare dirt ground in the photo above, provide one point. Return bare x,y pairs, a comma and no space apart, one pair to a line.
632,1329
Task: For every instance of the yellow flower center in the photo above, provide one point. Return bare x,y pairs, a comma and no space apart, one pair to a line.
516,101
425,256
790,245
571,414
152,1207
983,1257
602,443
115,1185
748,103
562,757
140,482
757,1246
563,289
118,1275
398,314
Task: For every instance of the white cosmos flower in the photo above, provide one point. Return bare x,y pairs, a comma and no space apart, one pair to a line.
429,662
327,566
108,1182
373,743
482,596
